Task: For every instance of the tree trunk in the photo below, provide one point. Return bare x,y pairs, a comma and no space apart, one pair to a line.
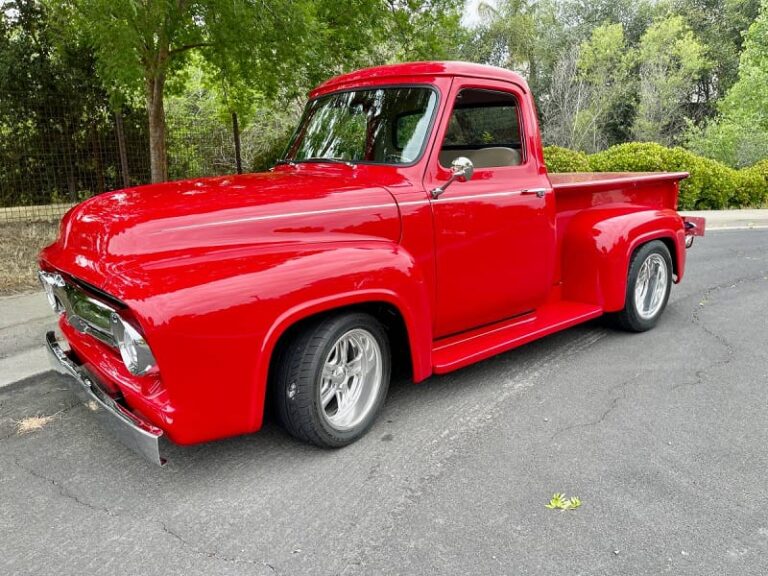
236,136
122,151
158,155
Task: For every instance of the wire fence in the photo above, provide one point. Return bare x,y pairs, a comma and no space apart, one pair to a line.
53,160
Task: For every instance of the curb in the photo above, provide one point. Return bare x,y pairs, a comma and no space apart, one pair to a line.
731,219
24,320
28,363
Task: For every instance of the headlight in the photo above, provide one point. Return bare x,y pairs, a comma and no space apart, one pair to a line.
134,350
51,280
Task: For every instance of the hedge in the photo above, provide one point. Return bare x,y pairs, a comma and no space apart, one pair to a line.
711,185
564,160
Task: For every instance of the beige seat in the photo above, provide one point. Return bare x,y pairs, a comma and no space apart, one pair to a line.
484,157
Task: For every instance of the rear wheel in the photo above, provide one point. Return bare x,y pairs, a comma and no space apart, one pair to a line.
649,282
332,378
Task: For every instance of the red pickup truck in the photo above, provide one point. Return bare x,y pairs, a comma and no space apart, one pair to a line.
411,225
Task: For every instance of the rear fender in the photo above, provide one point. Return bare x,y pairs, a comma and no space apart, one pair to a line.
599,244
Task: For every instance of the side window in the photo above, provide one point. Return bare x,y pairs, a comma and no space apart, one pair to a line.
485,127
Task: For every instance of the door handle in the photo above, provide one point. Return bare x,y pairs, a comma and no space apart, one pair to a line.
538,191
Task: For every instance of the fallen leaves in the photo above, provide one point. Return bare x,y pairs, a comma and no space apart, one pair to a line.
32,424
560,502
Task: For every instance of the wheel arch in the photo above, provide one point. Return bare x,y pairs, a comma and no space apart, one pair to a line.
598,248
382,279
409,352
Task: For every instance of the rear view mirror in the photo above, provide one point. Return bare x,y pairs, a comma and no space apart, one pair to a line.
461,170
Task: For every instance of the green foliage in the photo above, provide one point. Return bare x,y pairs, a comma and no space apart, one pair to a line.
718,25
560,502
560,159
605,66
739,136
672,60
710,185
753,185
732,139
53,113
250,50
749,95
507,34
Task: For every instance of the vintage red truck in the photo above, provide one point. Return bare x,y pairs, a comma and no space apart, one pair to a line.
412,225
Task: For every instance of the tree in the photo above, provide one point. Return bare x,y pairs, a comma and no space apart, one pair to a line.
583,16
719,25
605,64
506,36
590,92
248,46
54,114
739,136
140,45
671,63
748,97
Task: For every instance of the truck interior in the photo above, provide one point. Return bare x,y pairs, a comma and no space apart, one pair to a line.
484,127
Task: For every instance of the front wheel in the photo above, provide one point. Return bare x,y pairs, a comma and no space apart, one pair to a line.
332,378
649,281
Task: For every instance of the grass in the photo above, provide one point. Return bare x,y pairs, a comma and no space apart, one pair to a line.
20,243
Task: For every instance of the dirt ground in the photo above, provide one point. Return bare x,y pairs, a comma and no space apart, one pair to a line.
20,243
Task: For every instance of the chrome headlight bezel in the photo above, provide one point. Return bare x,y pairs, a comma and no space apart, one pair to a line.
50,281
133,347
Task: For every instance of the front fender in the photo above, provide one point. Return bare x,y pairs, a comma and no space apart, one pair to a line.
213,341
598,246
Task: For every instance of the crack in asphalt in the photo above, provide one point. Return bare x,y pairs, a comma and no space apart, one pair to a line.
611,407
62,490
699,374
695,319
213,554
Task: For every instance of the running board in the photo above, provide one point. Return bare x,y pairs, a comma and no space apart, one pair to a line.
455,352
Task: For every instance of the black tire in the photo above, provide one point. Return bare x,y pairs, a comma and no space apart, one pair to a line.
297,379
630,317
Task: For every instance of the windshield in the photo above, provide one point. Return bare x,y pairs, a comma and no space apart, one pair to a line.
378,126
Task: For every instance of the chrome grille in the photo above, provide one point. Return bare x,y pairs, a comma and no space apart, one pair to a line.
85,313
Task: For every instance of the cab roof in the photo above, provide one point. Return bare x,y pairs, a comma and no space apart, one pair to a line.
429,69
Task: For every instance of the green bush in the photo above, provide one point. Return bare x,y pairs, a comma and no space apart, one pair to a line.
564,160
753,184
711,185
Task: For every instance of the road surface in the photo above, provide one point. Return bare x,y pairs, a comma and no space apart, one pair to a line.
663,436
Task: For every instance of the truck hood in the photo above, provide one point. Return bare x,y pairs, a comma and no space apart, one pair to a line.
205,214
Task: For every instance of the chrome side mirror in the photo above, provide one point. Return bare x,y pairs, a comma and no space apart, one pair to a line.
461,170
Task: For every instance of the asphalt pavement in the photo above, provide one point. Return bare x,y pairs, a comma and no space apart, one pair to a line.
662,435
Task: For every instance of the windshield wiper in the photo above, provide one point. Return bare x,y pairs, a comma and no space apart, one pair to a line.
281,161
319,159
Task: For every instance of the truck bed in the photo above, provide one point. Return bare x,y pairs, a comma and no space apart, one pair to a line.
601,180
576,191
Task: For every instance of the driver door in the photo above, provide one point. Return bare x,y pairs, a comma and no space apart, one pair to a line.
494,234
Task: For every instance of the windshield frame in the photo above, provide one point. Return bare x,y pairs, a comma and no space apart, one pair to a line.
368,87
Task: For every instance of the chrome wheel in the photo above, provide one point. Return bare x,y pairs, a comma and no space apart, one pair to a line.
351,379
651,286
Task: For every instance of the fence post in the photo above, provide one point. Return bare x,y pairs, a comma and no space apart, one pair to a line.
236,134
121,148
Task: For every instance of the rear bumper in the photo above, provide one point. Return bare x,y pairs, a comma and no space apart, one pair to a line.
694,226
136,433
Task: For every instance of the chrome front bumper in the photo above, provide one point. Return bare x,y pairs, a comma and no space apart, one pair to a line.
136,433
